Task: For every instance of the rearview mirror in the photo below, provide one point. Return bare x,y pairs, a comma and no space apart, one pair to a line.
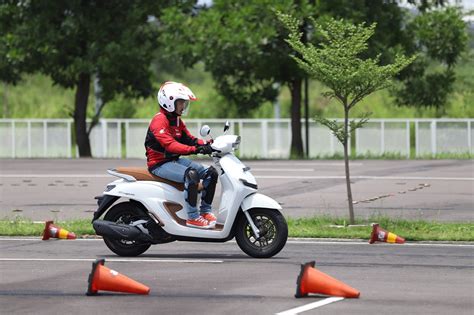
226,126
205,131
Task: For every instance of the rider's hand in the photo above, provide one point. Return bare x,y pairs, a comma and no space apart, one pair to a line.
204,149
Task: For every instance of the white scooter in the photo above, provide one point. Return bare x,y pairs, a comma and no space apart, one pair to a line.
156,210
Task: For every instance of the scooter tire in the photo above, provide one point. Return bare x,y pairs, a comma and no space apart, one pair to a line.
123,213
274,228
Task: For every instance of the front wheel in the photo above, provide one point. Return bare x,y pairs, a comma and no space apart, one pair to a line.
273,231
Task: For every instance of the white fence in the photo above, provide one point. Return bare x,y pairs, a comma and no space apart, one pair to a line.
261,138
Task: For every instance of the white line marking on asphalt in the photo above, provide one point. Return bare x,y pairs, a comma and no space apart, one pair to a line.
290,241
54,175
379,244
3,238
303,164
310,306
367,177
258,176
283,169
119,260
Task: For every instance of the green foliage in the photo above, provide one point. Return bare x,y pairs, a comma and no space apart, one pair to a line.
442,33
36,97
441,36
74,41
336,63
62,39
239,44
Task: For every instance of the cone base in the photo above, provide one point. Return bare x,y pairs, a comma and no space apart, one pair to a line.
299,292
46,235
90,289
373,235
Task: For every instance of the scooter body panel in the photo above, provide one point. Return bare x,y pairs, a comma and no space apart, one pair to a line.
257,200
239,189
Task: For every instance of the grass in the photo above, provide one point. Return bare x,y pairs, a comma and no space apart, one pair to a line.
315,227
22,227
418,230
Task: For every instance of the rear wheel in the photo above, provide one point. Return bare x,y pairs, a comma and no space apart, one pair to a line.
273,231
125,213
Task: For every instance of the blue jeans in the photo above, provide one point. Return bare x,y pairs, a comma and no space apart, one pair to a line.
175,171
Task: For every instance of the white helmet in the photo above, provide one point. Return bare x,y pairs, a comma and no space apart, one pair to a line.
170,92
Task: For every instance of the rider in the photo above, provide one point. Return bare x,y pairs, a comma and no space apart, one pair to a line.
167,138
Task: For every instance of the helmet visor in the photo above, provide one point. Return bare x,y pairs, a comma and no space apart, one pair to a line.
181,106
186,107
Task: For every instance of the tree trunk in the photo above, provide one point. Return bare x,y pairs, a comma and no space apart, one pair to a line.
296,141
80,114
5,100
346,164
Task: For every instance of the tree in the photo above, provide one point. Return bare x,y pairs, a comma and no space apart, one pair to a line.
337,64
73,41
242,45
441,36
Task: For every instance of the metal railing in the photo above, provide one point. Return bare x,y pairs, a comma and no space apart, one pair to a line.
261,138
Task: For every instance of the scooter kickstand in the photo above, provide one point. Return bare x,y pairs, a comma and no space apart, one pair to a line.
252,225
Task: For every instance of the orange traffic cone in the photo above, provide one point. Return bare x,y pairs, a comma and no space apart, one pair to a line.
103,278
379,234
51,230
311,280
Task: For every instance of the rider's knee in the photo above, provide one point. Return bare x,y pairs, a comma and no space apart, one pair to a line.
191,176
212,173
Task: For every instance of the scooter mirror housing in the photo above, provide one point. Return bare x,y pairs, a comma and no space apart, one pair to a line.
226,126
205,131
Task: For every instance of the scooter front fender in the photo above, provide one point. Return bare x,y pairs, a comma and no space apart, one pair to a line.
258,200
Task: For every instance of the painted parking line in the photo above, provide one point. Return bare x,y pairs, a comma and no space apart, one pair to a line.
186,261
310,306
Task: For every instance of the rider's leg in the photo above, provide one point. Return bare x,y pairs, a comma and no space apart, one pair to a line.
209,177
191,181
209,183
176,172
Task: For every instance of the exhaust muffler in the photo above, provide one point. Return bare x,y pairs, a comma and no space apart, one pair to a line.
120,231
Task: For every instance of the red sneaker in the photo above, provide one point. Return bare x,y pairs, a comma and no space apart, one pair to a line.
209,217
199,223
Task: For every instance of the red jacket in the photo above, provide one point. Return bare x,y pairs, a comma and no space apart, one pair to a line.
167,138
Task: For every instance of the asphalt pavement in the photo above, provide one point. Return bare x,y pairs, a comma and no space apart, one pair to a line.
440,190
50,277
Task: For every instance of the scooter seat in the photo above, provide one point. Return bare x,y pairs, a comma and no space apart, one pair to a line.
142,173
